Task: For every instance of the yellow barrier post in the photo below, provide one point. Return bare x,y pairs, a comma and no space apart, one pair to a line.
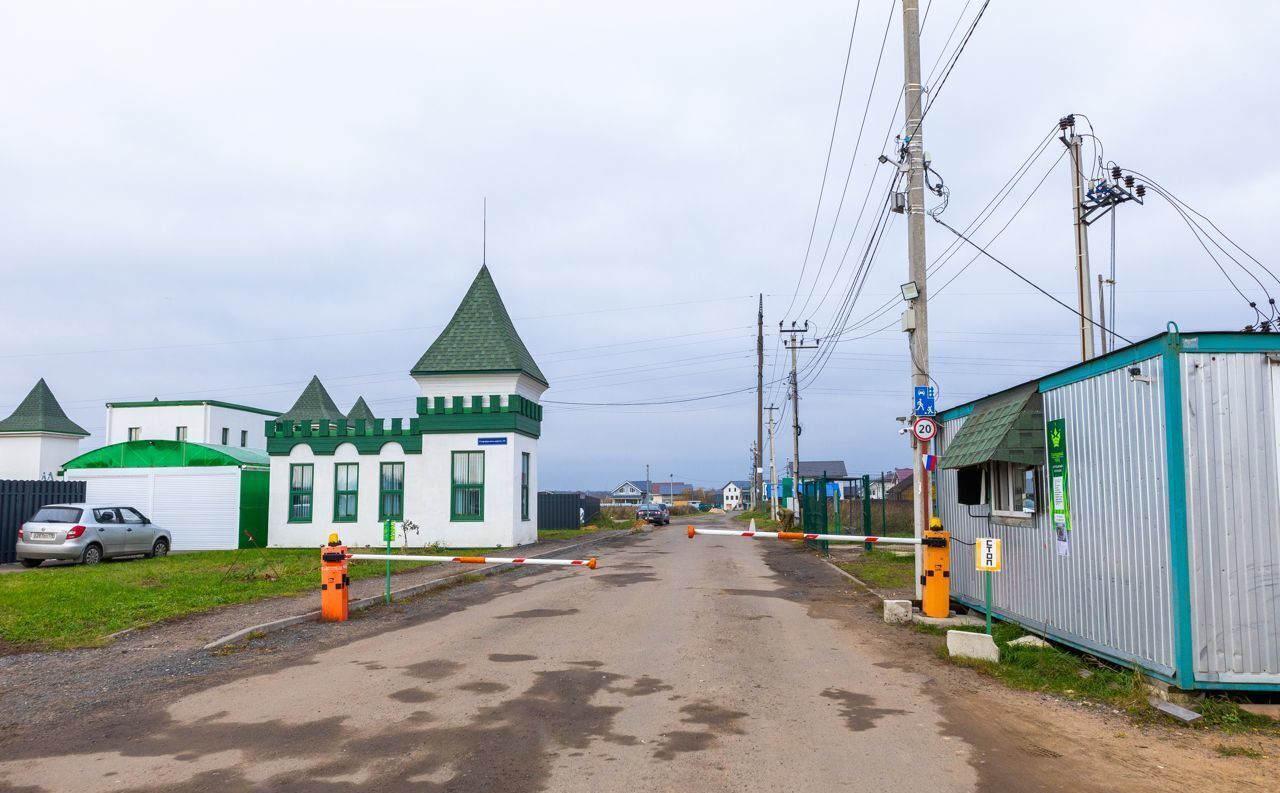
937,571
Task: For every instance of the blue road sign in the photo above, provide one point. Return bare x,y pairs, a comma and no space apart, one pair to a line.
923,401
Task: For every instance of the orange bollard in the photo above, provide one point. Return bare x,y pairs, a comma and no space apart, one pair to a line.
334,582
936,601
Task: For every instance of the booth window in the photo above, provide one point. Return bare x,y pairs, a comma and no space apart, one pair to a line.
346,490
300,486
391,492
467,498
524,486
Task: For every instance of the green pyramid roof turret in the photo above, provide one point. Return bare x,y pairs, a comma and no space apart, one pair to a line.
360,411
315,403
480,338
40,412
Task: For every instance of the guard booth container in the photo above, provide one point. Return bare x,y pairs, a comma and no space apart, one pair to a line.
1138,498
209,497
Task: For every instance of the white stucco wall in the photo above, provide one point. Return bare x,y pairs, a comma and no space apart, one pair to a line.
204,424
467,385
35,455
428,479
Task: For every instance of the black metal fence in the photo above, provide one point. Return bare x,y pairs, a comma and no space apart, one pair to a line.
19,500
566,510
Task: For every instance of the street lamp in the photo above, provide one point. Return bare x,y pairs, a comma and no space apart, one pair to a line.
910,291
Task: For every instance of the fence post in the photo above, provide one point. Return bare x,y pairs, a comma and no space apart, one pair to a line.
866,508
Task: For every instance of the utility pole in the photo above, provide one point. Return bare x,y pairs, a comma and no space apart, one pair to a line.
757,471
773,470
1084,290
918,328
1102,310
648,485
794,345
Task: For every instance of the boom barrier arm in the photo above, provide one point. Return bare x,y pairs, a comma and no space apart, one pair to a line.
796,535
589,563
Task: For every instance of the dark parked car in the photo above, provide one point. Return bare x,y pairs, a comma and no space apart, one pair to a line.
657,514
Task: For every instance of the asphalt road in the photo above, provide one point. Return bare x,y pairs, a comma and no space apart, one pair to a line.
713,664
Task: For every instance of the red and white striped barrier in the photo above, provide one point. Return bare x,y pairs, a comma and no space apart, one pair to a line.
797,535
382,557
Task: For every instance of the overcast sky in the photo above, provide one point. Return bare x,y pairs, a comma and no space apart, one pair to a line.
221,199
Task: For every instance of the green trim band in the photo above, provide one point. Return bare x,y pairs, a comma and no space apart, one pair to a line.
324,437
1176,481
168,403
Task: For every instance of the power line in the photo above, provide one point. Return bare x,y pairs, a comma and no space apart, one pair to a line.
673,401
835,123
955,58
1033,284
853,158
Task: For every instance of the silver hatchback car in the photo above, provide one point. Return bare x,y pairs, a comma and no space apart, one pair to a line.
89,533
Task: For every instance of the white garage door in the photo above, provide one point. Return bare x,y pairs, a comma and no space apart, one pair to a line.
123,489
201,511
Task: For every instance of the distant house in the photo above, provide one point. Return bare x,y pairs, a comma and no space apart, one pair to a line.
673,493
904,489
832,469
887,481
37,438
736,494
633,491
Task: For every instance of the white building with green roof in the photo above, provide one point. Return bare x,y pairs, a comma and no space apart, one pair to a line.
464,469
37,438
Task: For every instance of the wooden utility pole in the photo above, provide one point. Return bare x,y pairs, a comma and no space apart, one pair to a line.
1084,289
773,470
757,474
793,344
918,329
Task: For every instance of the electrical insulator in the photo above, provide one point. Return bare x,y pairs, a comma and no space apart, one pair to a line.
1115,173
1142,190
1128,181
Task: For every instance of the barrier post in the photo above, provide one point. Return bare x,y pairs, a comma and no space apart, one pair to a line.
334,582
936,580
389,534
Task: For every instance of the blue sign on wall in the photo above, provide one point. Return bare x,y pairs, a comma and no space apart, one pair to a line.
492,441
922,402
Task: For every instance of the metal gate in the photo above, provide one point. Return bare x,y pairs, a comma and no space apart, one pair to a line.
19,500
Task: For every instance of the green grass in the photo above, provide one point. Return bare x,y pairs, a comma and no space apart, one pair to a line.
1238,751
1079,676
762,519
882,569
57,608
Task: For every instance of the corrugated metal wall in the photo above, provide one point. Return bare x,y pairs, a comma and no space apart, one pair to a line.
562,510
1233,514
1111,592
19,500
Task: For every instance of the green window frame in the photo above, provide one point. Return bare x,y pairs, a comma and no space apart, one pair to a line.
301,492
346,492
466,495
391,491
524,485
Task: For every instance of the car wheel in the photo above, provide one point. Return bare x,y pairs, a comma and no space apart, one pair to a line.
161,548
30,563
92,555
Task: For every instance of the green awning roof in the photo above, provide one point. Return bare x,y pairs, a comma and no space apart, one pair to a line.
169,454
1010,431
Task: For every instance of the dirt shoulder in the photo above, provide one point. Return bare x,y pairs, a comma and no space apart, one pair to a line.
36,686
1089,748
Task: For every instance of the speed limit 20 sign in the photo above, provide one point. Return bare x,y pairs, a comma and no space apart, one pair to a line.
924,428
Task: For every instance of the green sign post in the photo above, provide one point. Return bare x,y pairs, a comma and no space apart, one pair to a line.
389,534
1059,498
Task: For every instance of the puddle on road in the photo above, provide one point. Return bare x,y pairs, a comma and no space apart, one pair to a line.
858,710
483,687
412,695
535,613
434,669
504,658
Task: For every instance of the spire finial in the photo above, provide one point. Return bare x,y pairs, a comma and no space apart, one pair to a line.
484,231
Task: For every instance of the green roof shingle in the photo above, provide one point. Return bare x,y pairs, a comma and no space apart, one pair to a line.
360,411
480,338
1011,431
40,412
315,403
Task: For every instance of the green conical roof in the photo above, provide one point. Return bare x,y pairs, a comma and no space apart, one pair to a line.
315,403
360,411
480,338
40,412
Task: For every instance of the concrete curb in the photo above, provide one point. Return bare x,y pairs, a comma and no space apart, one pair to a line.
369,602
855,579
